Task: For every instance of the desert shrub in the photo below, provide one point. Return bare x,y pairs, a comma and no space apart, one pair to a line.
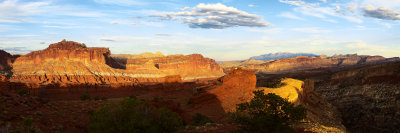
27,126
103,98
267,113
345,84
189,101
275,83
23,93
84,97
219,83
96,98
199,119
133,115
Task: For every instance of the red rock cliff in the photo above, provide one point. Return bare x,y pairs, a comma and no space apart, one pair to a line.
237,87
70,62
189,67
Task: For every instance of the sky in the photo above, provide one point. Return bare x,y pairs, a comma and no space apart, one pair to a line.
219,29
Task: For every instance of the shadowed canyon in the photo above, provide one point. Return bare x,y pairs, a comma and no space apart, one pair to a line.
61,86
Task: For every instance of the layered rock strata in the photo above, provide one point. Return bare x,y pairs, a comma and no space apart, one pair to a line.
70,62
305,63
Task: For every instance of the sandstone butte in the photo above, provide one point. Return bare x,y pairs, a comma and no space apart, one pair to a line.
69,62
238,86
304,63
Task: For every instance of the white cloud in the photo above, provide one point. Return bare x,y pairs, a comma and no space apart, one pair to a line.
290,15
323,1
393,4
310,30
293,2
15,11
323,12
250,5
214,16
11,10
381,13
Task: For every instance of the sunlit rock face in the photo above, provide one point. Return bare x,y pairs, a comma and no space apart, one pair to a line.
322,115
69,62
305,63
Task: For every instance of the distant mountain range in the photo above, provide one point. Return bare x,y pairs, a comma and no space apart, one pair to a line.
280,55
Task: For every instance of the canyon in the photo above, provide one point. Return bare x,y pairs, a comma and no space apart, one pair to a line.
341,93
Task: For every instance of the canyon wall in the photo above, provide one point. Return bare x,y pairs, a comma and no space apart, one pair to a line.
69,62
368,97
305,63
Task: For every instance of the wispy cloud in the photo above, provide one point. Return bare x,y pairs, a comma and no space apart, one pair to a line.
316,10
290,15
310,30
293,2
214,16
12,10
381,13
162,34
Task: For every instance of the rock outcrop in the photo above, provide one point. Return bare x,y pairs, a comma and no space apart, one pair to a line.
322,115
305,63
5,61
189,67
70,62
368,97
237,87
5,65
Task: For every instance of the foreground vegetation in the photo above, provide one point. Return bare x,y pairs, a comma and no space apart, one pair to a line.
132,115
267,113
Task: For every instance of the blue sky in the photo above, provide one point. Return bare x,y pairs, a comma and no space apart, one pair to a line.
219,29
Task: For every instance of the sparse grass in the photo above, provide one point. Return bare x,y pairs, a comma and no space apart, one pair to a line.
199,119
190,101
96,98
23,93
276,83
85,97
103,98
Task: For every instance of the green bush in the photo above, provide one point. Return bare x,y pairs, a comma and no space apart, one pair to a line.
133,115
275,83
267,113
199,119
84,97
96,98
103,98
190,101
23,93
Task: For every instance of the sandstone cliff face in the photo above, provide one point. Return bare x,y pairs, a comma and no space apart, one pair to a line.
189,67
5,61
304,63
70,62
234,88
351,61
292,64
237,87
368,98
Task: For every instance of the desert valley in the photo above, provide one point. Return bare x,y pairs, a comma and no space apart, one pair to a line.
209,66
61,86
